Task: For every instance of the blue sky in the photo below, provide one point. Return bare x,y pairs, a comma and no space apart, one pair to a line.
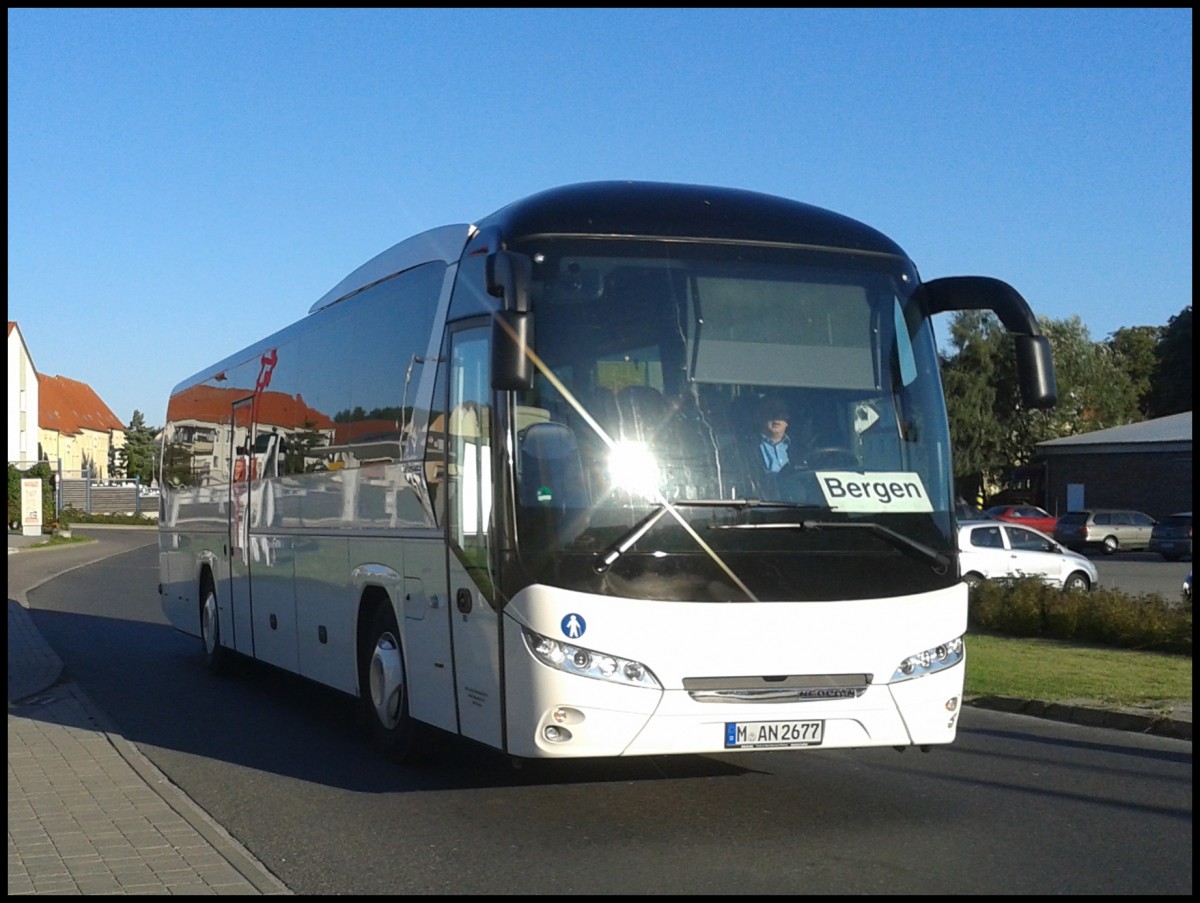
183,182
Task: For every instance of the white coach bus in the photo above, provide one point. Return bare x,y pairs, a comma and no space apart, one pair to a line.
505,480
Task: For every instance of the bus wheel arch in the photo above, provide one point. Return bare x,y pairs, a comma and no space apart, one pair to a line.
973,579
383,675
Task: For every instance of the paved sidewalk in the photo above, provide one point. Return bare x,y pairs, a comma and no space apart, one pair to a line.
87,812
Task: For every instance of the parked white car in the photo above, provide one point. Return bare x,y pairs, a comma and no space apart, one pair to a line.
995,550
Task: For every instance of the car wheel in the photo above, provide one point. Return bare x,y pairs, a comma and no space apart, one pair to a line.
1110,545
972,579
1078,581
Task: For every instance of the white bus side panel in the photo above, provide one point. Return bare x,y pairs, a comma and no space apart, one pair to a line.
693,640
273,571
427,609
326,613
476,659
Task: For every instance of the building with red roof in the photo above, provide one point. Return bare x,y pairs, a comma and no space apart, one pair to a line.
75,426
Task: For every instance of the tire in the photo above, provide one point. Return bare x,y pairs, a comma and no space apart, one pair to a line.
1110,545
216,656
383,686
972,579
1077,582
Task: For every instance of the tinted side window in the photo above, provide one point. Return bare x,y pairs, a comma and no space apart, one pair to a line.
1026,540
987,538
1143,520
1104,518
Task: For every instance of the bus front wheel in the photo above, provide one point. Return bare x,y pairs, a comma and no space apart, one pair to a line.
216,656
383,686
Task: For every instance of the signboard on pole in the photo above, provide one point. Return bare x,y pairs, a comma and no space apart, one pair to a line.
31,507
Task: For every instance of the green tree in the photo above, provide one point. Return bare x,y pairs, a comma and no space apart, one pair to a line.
1095,391
1171,392
969,378
990,428
1136,347
140,449
117,462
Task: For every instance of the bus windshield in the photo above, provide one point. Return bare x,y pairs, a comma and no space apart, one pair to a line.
708,419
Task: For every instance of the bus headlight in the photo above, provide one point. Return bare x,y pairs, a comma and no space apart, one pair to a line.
588,662
945,655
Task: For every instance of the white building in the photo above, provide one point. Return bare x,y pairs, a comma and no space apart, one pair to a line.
22,401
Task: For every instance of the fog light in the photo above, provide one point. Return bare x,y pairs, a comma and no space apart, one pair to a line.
554,734
559,715
951,703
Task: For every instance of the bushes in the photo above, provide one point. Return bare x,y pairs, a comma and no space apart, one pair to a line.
74,516
1029,608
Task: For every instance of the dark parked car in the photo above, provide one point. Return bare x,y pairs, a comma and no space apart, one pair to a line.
1172,536
1026,516
1109,529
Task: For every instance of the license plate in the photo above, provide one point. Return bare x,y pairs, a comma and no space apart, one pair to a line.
762,734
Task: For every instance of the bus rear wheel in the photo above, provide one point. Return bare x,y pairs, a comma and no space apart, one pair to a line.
383,686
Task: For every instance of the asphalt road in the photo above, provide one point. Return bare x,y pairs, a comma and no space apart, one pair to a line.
1015,805
1139,573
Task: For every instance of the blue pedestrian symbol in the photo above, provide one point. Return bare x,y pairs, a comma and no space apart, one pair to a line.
573,626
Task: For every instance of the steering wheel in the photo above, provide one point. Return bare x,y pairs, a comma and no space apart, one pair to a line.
832,457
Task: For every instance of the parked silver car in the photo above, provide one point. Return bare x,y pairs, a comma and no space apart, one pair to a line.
995,550
1109,529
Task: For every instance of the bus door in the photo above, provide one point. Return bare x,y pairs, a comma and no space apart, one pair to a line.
474,608
241,456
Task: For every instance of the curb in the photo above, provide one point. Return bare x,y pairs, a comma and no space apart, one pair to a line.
1144,721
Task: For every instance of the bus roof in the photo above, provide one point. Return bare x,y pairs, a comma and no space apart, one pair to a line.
669,210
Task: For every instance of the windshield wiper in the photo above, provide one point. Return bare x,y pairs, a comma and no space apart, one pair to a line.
604,559
940,560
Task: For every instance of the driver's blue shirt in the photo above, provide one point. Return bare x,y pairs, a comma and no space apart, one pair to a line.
774,454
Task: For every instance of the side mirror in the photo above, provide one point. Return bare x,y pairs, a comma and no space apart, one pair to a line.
1035,365
508,278
511,367
1035,371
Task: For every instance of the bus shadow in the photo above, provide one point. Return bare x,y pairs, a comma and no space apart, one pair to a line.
163,699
